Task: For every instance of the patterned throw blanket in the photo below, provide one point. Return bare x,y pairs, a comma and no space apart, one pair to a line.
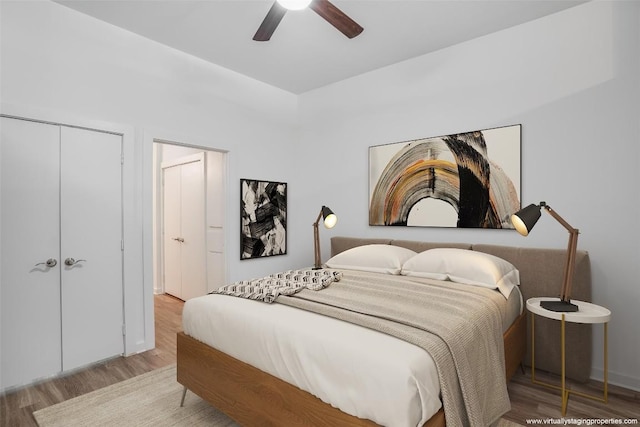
289,282
459,326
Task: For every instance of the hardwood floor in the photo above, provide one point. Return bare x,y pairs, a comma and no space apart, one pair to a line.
528,401
16,408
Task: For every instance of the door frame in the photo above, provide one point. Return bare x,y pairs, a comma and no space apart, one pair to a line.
153,191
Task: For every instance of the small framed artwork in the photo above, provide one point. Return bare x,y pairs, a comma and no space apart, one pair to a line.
464,180
263,218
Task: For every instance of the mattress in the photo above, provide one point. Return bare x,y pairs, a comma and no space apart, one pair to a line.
360,371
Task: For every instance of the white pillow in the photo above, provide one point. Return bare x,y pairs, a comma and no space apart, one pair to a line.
376,258
464,266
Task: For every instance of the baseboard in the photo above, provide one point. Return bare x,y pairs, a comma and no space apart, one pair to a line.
626,381
140,347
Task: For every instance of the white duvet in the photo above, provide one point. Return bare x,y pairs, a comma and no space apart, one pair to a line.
362,372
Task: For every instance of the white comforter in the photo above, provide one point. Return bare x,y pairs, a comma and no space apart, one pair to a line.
362,372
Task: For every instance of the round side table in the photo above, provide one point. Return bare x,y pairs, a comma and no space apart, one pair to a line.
587,313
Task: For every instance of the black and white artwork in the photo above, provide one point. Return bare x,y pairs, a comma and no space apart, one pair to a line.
263,218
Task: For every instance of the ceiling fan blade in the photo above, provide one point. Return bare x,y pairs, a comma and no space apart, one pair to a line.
336,17
270,22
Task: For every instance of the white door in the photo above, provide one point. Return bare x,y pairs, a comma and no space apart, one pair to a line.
91,240
30,229
184,231
60,198
172,205
193,249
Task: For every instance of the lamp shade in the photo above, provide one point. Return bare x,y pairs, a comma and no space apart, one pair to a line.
330,219
294,4
523,221
526,218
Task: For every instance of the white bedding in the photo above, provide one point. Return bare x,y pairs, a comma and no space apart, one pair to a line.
362,372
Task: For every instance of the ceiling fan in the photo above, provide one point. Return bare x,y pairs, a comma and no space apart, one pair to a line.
324,8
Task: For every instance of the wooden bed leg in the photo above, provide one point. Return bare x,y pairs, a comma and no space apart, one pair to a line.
522,368
184,394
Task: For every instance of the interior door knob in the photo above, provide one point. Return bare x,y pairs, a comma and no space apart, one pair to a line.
51,262
71,261
179,239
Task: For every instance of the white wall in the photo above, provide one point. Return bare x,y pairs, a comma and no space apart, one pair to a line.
572,81
58,64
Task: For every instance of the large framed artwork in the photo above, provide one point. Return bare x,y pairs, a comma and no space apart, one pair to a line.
465,180
263,218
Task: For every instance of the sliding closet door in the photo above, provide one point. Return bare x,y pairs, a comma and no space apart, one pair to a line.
91,246
30,228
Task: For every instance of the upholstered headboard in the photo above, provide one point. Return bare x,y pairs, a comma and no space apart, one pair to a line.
541,272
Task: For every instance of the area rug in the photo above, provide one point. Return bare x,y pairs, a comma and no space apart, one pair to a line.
151,399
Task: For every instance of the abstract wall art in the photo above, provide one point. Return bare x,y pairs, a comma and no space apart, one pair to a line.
464,180
263,218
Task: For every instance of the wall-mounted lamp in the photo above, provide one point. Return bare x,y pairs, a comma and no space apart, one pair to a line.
523,221
329,220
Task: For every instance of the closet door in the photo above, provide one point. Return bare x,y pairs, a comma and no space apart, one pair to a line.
61,201
91,246
30,231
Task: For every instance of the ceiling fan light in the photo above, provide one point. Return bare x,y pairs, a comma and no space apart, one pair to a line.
294,4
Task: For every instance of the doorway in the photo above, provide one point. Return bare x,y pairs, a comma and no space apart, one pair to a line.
179,191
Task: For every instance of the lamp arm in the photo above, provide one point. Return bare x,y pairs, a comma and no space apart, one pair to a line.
316,243
570,263
558,218
570,266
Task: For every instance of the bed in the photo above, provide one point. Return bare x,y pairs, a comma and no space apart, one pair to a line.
213,367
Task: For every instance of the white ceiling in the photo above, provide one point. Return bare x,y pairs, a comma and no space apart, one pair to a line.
306,52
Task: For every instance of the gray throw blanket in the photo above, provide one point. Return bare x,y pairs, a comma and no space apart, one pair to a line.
460,326
289,282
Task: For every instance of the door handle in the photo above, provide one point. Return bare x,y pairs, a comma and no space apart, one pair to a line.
179,239
71,261
51,262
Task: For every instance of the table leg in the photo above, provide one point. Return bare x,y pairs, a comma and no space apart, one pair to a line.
606,362
565,394
533,348
605,392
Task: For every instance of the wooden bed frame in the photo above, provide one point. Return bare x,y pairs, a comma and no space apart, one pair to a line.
254,398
